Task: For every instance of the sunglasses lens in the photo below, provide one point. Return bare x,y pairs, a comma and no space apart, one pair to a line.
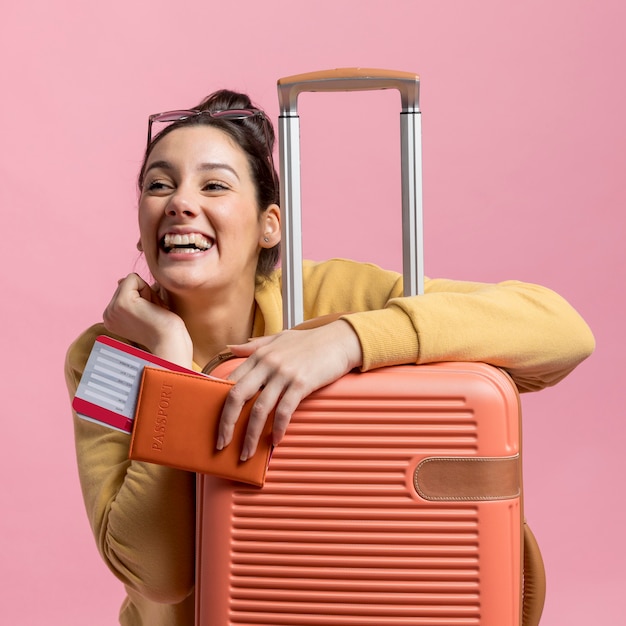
234,114
173,116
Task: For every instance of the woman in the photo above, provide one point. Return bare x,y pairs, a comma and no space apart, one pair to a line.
209,227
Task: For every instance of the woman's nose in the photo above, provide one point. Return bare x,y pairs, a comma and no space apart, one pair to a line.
181,204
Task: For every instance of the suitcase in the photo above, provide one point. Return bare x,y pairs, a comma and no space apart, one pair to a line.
395,498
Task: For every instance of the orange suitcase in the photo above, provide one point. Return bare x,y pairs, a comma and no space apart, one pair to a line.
395,498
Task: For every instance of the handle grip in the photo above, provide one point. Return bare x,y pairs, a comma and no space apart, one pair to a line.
349,79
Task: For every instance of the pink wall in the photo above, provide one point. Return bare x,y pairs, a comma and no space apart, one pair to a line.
524,136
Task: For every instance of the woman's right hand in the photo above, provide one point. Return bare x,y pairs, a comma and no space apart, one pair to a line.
137,313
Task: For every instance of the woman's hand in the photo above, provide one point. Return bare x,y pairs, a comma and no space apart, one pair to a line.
137,313
286,367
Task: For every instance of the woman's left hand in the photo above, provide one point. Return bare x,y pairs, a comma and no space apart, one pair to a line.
286,367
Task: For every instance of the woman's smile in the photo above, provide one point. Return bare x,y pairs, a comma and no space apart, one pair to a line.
192,243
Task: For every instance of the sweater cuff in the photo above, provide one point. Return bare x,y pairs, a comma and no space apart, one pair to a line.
387,337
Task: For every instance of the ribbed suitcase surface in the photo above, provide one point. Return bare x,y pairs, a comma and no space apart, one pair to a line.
340,534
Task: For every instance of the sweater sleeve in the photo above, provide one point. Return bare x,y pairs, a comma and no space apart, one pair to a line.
142,515
526,329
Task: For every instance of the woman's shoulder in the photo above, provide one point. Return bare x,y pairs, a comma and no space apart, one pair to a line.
338,272
346,285
347,270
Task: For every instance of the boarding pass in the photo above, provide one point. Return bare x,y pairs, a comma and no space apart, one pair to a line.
108,390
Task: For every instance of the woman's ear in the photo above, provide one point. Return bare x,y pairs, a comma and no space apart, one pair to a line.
270,231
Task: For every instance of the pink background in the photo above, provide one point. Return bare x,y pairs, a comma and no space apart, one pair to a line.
524,135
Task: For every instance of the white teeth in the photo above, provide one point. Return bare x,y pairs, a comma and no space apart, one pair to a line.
188,242
187,250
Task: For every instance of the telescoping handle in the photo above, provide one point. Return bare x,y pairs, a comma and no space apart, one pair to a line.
348,79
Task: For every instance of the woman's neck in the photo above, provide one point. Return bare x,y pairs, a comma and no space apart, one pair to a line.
216,321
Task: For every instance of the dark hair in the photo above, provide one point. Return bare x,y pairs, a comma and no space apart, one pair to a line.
255,136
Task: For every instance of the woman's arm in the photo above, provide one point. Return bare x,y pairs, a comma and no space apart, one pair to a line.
142,515
529,330
526,329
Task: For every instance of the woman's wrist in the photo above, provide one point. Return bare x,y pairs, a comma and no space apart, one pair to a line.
174,345
351,344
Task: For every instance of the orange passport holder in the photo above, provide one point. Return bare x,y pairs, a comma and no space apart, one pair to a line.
176,424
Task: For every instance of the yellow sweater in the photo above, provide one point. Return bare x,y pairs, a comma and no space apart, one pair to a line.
143,515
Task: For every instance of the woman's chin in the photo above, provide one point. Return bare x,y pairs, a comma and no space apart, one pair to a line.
183,268
180,280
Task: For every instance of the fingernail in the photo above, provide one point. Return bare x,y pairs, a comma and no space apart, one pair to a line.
220,442
244,454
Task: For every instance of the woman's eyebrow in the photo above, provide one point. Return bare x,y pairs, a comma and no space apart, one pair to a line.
218,166
166,165
161,165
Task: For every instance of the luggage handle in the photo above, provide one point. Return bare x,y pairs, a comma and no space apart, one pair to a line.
348,79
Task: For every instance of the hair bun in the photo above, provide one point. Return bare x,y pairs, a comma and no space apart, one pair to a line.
223,100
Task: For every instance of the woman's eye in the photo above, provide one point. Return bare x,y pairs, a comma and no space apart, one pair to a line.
158,185
215,186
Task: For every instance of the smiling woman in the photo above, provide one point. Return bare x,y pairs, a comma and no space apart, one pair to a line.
247,127
209,225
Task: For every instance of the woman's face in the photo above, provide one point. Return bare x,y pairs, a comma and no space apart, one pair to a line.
199,222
